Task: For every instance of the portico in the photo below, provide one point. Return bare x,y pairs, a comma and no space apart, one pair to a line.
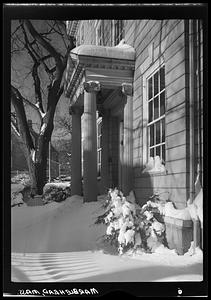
99,79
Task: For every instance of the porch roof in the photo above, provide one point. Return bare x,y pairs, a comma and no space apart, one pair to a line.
121,51
90,62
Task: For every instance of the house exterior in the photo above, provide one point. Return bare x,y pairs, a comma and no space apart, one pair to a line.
158,69
136,100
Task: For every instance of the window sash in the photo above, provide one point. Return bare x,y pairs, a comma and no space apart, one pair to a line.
99,33
155,100
118,31
99,147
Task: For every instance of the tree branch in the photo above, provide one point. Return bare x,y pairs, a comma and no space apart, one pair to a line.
15,128
17,101
42,41
37,89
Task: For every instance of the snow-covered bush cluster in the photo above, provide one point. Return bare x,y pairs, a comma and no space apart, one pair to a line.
55,193
16,199
130,226
20,186
22,178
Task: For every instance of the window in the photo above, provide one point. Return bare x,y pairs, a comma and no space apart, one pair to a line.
99,34
107,32
99,146
82,34
156,114
118,31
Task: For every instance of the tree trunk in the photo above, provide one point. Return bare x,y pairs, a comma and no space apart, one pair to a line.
38,175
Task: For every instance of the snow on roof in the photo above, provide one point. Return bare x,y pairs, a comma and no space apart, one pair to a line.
121,51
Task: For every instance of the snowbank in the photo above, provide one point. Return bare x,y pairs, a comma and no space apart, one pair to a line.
17,199
16,187
196,208
154,165
62,185
16,195
171,211
59,242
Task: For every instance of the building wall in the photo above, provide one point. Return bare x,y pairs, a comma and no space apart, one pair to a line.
87,32
165,39
199,104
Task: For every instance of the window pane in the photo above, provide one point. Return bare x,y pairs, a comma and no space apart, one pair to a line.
150,112
99,128
150,88
163,153
151,135
163,130
151,154
157,132
158,151
155,83
100,144
156,111
162,78
162,103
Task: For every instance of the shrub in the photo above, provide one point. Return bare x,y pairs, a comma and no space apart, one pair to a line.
22,178
130,226
57,194
16,199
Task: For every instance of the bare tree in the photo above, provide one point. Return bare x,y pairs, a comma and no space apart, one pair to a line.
47,59
65,123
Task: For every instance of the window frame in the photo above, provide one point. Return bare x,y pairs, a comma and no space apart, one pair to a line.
145,139
99,149
82,34
121,32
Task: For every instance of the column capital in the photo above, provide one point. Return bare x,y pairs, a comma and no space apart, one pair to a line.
75,110
91,86
127,89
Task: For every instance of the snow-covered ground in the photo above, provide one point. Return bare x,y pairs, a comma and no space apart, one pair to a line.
59,242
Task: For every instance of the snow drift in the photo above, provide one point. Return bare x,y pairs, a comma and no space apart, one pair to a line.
59,242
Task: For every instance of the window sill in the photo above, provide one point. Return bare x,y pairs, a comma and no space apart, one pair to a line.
154,173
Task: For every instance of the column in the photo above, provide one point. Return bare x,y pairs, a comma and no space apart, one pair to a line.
90,142
127,168
105,151
76,178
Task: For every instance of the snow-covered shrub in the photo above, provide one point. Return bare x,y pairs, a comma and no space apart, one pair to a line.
16,199
130,226
22,178
55,193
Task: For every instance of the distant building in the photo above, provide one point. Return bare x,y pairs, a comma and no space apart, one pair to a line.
64,160
18,161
